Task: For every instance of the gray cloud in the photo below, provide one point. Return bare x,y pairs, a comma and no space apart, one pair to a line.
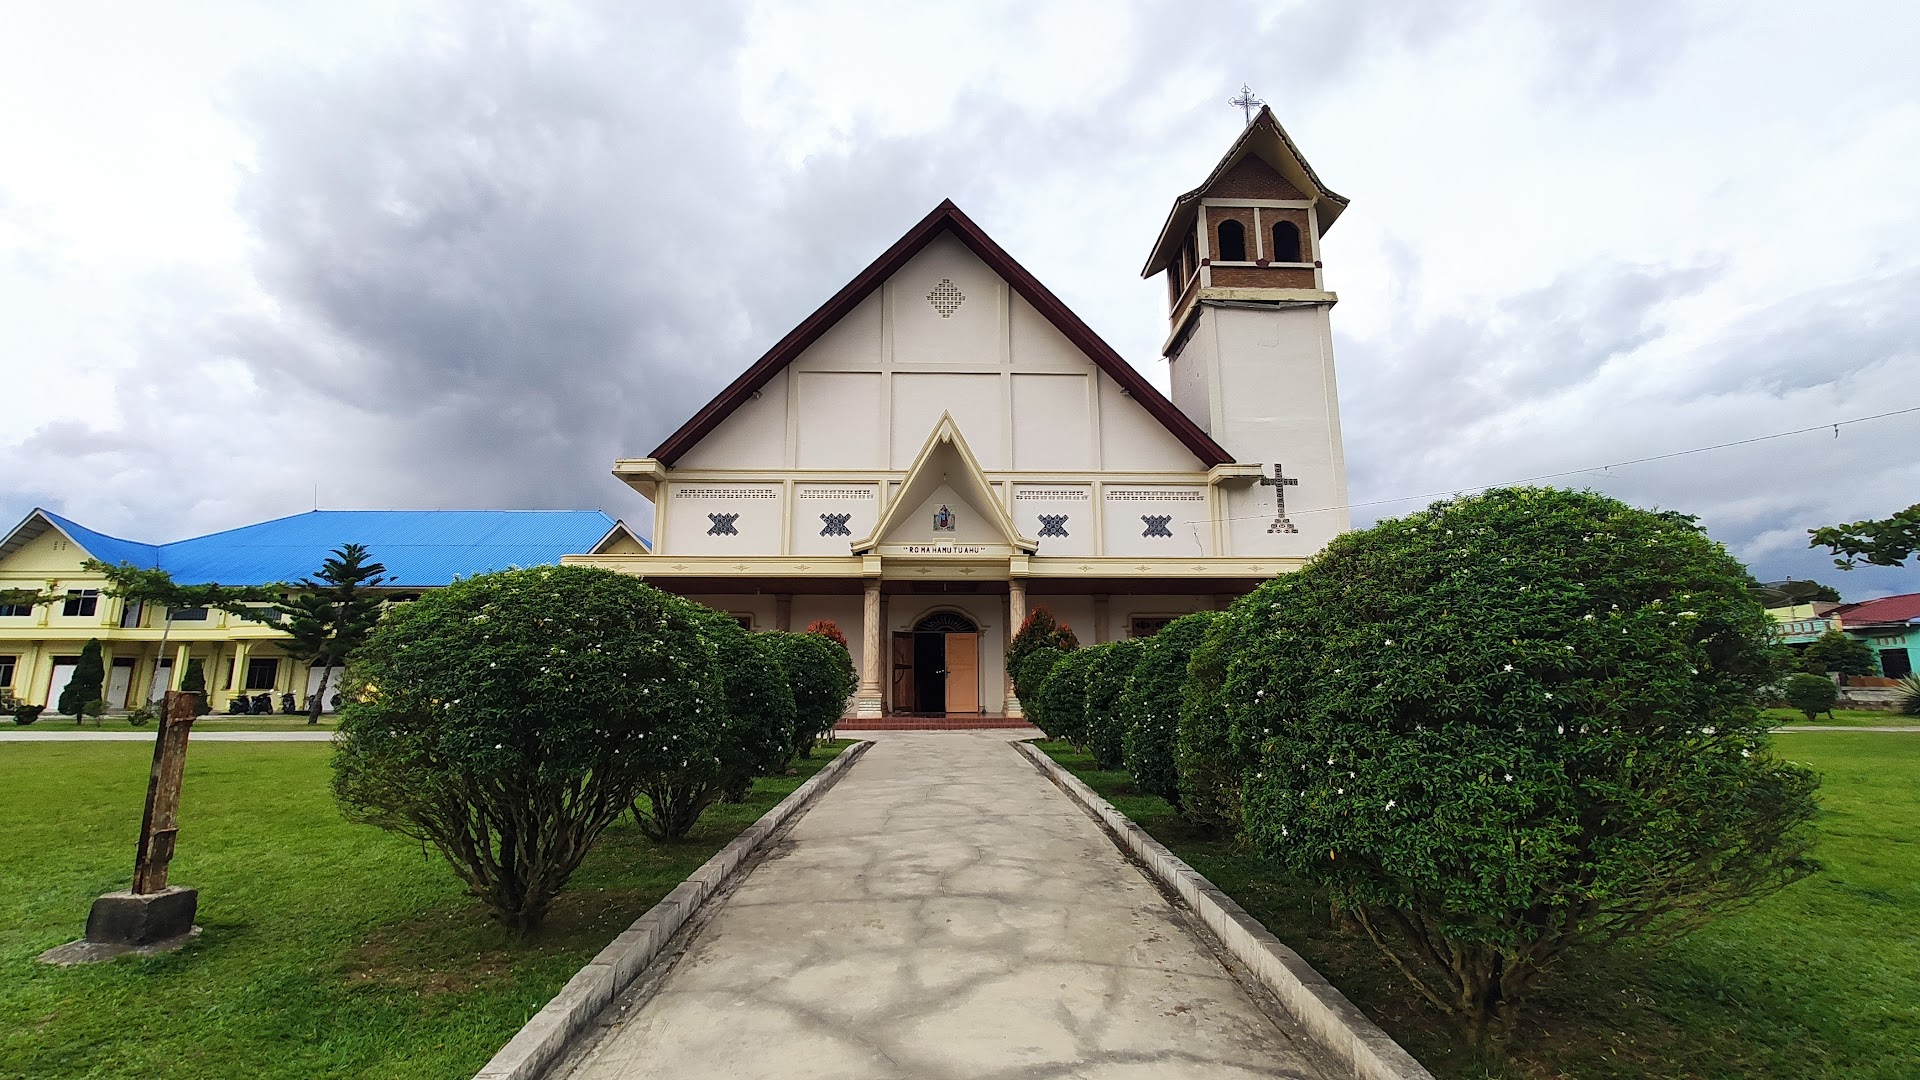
514,244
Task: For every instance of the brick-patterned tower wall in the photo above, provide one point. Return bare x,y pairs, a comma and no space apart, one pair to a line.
1251,178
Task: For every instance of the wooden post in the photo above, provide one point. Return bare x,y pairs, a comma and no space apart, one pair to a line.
160,822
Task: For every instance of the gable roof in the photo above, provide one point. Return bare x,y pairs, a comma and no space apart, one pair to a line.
921,482
421,548
1265,139
1887,609
943,219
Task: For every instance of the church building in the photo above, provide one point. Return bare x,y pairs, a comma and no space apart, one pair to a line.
944,445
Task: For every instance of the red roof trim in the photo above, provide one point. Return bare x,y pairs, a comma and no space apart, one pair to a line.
945,218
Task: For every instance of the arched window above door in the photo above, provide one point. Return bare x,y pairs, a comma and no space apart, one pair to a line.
946,622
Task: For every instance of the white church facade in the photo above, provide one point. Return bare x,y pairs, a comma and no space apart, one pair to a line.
944,445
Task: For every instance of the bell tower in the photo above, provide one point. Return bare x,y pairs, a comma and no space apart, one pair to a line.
1250,342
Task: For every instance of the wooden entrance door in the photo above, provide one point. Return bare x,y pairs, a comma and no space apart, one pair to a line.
963,673
903,699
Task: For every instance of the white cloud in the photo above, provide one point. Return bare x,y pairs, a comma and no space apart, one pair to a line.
464,254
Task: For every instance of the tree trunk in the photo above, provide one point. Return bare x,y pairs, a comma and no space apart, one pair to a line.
154,690
320,695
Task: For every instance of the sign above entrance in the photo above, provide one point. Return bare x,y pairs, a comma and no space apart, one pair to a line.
946,549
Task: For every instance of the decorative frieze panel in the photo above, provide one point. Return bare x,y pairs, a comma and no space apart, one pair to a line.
1059,516
827,518
715,519
1141,519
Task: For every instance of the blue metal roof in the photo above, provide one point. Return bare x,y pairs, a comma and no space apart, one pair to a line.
421,548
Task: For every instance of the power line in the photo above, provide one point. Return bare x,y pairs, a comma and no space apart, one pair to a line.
1834,426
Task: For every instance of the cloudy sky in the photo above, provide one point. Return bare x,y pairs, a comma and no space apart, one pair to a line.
460,255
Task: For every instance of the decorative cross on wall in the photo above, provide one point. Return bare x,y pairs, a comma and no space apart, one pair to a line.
834,525
722,525
1156,524
1280,483
1053,525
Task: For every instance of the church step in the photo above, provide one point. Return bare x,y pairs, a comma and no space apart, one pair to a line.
930,723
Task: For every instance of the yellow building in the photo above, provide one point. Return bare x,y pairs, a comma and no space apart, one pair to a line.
422,549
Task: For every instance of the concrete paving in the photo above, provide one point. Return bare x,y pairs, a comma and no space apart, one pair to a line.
945,911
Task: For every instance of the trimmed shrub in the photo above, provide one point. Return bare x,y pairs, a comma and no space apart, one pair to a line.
1032,673
753,737
1039,632
1510,725
27,714
1061,703
1838,652
820,675
142,716
508,718
1209,767
81,697
1108,670
1811,694
1151,704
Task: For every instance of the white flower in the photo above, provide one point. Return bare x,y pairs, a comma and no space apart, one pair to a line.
1508,667
1389,804
1339,791
1389,641
1746,753
1509,778
1329,761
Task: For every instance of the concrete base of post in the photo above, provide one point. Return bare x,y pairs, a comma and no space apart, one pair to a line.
129,918
123,923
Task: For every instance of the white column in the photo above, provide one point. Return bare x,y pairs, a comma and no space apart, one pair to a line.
783,611
1100,635
866,701
1016,615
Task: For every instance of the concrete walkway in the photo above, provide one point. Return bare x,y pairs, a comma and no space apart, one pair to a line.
26,735
945,911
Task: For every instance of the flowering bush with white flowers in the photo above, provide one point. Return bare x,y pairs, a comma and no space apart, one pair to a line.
1510,724
1151,704
820,673
1059,706
508,718
750,735
1108,669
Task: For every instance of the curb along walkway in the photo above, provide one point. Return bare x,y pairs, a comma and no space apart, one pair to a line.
945,911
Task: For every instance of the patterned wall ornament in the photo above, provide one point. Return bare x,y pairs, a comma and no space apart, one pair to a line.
944,519
722,525
1156,524
1280,483
834,525
946,298
1053,525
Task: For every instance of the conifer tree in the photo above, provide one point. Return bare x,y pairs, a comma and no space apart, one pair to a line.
329,615
83,694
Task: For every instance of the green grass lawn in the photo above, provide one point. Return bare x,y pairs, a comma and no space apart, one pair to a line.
330,949
1845,718
1820,980
51,722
